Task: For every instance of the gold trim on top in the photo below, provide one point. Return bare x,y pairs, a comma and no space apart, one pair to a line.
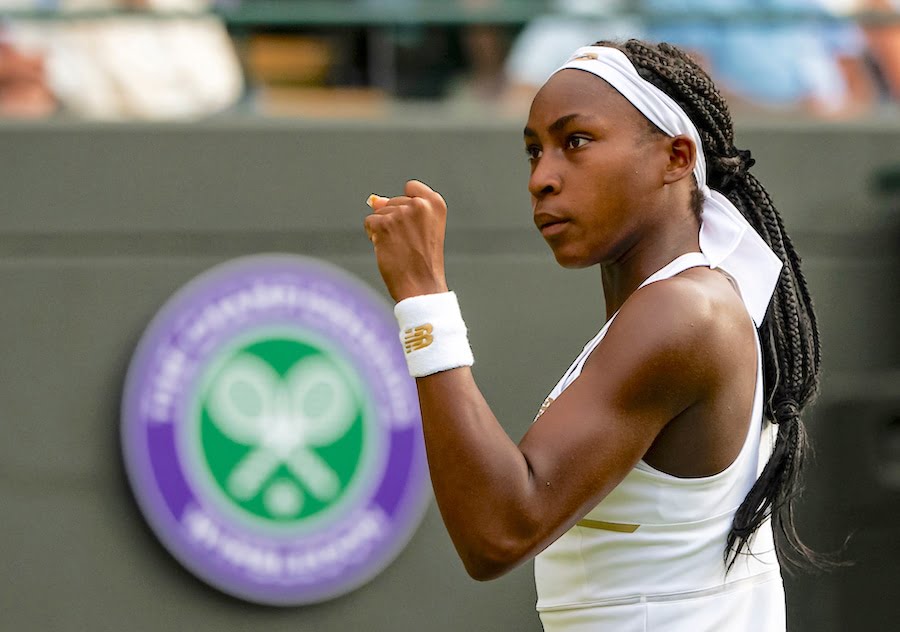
619,527
544,407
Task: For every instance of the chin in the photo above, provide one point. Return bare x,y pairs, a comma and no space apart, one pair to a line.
572,262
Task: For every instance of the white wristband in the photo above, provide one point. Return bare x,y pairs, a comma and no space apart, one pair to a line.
433,333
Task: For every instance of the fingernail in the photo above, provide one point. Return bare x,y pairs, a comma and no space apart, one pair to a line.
371,200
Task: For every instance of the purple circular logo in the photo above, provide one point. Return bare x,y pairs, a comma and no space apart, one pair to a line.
271,432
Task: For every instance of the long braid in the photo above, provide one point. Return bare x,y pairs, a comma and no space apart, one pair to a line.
789,335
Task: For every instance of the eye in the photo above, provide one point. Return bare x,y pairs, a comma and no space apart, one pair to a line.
533,152
576,142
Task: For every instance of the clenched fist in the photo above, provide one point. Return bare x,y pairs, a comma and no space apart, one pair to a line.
408,234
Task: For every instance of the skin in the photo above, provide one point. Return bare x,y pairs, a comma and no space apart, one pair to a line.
23,87
672,382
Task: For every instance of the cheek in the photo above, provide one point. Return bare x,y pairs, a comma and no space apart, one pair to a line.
612,198
632,187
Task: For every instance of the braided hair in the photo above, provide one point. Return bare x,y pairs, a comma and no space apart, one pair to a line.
789,335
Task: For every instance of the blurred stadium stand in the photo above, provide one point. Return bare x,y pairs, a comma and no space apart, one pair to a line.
362,54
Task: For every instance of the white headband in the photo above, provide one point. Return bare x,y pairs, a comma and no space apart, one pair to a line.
726,238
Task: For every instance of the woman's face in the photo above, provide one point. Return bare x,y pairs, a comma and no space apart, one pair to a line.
597,169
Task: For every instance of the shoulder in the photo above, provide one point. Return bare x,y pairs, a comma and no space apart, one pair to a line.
689,333
697,306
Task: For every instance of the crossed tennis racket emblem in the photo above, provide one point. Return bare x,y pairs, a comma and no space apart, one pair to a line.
281,419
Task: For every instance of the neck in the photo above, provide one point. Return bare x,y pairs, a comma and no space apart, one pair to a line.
646,256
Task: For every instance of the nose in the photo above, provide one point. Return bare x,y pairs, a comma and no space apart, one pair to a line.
544,179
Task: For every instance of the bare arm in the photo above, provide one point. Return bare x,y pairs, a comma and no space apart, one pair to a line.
502,503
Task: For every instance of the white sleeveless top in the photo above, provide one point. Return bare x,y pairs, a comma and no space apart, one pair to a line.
650,556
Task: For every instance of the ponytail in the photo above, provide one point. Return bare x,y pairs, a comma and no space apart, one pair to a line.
789,334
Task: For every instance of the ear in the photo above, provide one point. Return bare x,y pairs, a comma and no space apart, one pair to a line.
682,156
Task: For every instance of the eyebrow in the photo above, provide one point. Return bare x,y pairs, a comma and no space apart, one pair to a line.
556,125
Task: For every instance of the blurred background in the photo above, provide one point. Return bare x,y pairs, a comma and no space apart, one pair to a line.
189,59
144,141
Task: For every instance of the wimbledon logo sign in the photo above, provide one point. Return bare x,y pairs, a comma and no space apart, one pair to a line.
271,432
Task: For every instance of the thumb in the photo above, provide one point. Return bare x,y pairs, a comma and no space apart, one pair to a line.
376,202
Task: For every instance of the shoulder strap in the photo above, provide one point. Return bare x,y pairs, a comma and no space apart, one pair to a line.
676,266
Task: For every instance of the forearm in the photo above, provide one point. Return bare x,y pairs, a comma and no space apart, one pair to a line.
481,479
483,483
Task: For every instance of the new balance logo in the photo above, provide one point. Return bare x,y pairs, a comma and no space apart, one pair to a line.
418,338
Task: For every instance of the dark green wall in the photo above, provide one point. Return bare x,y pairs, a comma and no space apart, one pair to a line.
101,224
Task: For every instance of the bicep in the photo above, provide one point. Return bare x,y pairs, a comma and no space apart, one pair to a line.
639,378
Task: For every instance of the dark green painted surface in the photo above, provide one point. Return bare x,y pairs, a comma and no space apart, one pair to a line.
101,224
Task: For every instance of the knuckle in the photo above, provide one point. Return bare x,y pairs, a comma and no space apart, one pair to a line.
377,223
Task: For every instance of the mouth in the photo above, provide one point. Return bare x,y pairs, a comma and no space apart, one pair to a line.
550,225
553,228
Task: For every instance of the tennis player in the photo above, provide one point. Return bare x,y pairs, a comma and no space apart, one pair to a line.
651,483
